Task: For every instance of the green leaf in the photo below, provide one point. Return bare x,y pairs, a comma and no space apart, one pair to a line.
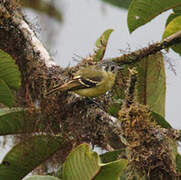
81,163
112,155
44,7
84,164
141,12
9,71
36,177
118,93
112,170
101,45
19,120
13,121
160,120
173,27
6,97
178,162
27,155
115,107
119,3
151,83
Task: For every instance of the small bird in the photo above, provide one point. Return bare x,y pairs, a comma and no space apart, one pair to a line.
91,81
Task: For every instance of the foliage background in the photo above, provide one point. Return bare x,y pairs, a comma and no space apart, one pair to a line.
72,31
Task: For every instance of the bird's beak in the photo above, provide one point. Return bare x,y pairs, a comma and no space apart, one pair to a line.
120,68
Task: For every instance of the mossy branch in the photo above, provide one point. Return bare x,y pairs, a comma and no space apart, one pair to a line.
137,55
130,93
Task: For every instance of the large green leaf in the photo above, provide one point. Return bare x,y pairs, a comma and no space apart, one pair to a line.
151,85
27,155
36,177
6,97
142,11
119,3
113,155
84,164
178,162
160,120
112,170
81,163
44,7
101,45
173,27
19,120
13,121
9,72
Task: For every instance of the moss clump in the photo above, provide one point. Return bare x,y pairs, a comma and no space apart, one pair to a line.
149,150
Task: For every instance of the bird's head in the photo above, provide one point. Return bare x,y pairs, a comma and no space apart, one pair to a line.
110,66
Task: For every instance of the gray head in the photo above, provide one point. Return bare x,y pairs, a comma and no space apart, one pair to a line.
109,66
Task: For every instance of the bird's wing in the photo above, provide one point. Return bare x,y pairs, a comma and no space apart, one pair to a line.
71,85
80,82
89,77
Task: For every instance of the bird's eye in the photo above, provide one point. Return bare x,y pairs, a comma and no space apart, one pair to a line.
106,68
112,68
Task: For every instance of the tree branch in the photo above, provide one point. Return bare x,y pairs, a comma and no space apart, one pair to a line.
136,56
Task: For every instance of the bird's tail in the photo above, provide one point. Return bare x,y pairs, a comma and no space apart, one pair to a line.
63,88
53,90
57,88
